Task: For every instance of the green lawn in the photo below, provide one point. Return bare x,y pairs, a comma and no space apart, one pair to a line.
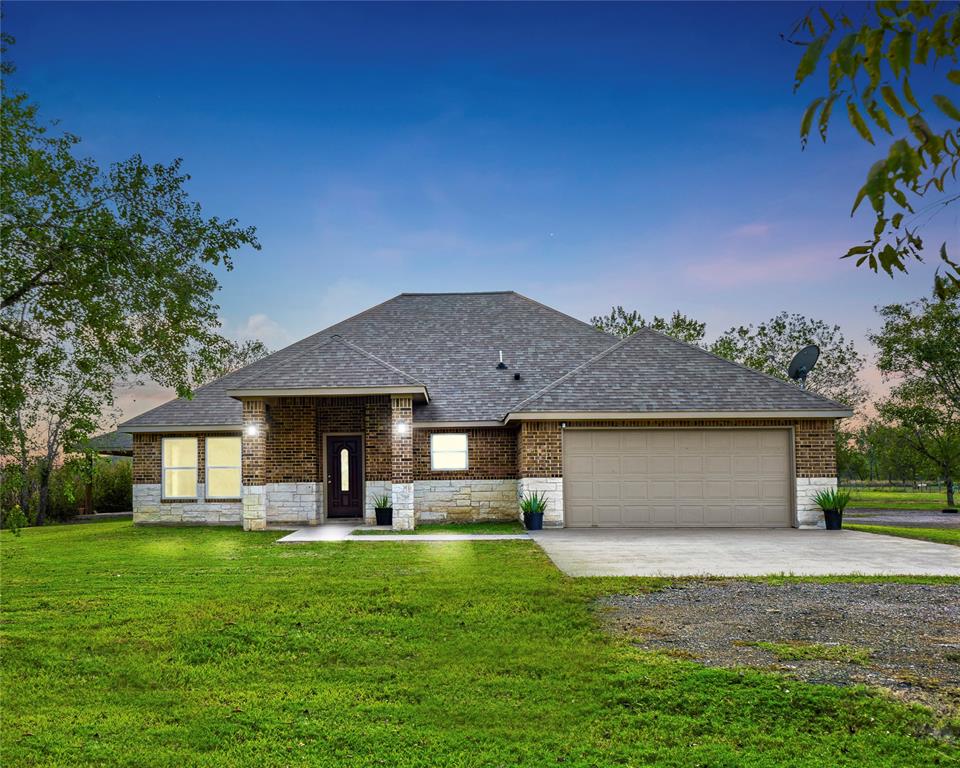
939,535
425,529
202,647
896,498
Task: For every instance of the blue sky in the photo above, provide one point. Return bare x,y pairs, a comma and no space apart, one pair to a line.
584,155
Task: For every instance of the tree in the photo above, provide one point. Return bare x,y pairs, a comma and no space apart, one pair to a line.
621,323
771,345
105,275
929,424
234,355
921,340
869,69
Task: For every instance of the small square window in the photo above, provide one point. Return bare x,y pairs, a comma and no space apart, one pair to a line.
448,451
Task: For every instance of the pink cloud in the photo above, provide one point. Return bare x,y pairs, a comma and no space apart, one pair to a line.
758,269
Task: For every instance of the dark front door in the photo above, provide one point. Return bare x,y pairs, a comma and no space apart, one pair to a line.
344,477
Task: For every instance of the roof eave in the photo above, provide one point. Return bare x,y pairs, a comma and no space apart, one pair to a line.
137,428
653,415
240,392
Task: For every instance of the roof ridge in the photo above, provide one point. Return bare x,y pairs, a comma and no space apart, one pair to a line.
275,363
455,293
558,312
572,372
357,348
734,363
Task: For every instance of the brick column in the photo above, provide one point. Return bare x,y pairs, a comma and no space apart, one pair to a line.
254,466
401,461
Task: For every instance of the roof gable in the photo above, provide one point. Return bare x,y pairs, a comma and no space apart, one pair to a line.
333,363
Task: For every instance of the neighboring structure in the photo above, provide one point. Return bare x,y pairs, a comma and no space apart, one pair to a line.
410,399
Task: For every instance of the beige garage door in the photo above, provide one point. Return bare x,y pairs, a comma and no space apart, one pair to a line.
670,478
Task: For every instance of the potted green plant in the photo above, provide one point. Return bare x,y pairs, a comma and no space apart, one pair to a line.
832,501
384,511
533,505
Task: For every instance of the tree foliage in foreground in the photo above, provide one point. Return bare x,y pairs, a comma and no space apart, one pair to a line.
870,75
106,274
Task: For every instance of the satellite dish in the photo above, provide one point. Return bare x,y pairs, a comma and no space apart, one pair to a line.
802,363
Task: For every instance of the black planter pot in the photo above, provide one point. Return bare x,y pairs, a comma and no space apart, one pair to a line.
833,519
533,521
384,515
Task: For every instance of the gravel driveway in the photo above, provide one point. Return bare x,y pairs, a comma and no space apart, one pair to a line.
902,517
907,636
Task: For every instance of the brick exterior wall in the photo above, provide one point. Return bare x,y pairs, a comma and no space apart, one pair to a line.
291,447
254,446
377,439
815,447
147,454
491,451
540,444
402,443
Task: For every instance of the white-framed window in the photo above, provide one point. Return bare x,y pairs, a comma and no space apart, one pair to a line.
448,451
179,467
223,468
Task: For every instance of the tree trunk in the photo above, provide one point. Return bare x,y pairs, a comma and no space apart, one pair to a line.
43,496
949,482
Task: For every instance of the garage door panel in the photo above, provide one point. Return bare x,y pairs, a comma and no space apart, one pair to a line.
773,465
608,514
606,441
689,489
667,478
580,466
746,465
716,465
691,441
605,490
662,465
662,442
633,490
635,514
660,489
689,515
606,465
579,490
633,441
634,465
718,514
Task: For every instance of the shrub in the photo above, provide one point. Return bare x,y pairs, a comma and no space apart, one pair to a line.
112,486
14,519
381,502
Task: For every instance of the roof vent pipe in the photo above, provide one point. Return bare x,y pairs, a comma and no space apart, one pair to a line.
501,365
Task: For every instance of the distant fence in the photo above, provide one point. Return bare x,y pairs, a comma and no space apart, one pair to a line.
904,486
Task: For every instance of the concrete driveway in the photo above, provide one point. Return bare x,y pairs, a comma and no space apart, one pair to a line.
742,552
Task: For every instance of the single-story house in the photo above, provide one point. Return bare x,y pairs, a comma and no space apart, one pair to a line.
455,405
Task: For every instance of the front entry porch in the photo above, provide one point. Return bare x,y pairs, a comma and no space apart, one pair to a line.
312,459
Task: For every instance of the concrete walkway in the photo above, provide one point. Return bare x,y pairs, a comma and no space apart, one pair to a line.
325,532
742,552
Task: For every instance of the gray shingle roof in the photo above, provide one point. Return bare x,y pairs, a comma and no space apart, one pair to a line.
333,362
650,373
449,343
